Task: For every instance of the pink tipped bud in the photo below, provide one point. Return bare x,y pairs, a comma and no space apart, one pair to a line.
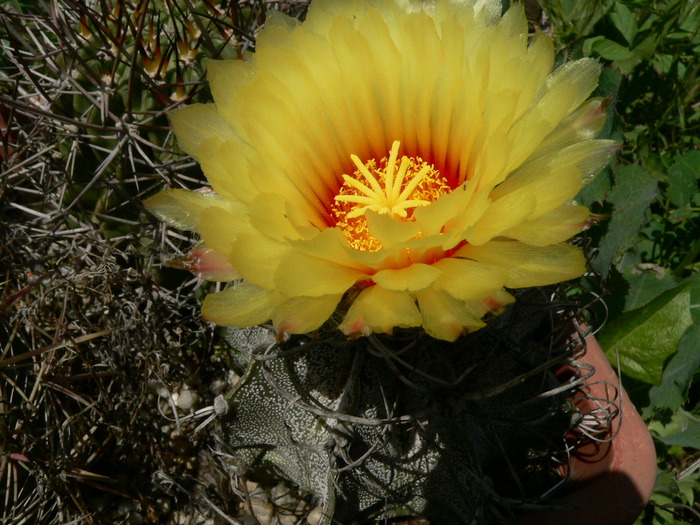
207,264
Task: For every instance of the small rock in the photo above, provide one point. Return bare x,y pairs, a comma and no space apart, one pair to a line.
186,399
159,388
262,510
314,517
288,519
278,492
125,507
256,491
217,386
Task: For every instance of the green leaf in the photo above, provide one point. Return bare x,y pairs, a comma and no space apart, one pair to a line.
691,19
646,337
662,63
695,304
646,281
609,86
625,21
679,423
589,43
688,438
666,484
611,50
596,190
634,190
582,15
682,214
679,372
687,487
645,49
683,177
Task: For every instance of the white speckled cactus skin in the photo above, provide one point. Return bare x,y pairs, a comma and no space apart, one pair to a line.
402,426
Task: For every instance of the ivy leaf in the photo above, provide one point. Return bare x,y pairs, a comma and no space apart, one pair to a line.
695,304
611,50
687,487
609,86
625,21
646,281
634,190
662,63
688,438
646,337
681,421
679,372
596,190
683,178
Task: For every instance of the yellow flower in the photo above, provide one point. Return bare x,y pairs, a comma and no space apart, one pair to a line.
413,157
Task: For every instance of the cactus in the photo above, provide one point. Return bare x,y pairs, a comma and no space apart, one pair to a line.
84,335
397,426
392,426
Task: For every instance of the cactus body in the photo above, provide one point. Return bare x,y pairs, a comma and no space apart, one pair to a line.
393,426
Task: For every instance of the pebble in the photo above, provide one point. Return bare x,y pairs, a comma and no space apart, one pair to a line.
314,517
262,511
217,386
186,399
159,388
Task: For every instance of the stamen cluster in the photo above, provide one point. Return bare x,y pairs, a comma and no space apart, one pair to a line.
391,186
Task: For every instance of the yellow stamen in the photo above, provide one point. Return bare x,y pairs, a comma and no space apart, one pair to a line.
381,188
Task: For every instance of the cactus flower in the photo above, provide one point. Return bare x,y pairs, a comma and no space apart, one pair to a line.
406,160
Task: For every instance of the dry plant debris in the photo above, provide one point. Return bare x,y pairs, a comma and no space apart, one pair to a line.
107,376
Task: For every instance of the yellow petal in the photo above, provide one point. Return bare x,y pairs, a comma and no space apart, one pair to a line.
433,218
268,214
182,209
469,280
257,257
490,165
390,231
513,24
553,227
501,215
580,75
565,90
489,11
301,275
495,303
304,314
379,310
411,278
226,165
220,227
277,29
445,317
540,56
225,77
351,49
330,244
243,304
558,177
529,265
585,123
195,123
